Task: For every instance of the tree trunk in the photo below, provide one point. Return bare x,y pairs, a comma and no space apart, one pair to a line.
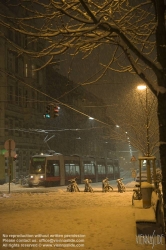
162,147
161,58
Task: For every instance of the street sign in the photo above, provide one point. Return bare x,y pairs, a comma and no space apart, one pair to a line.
9,144
133,158
12,154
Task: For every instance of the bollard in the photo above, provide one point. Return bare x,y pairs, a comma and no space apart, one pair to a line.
146,191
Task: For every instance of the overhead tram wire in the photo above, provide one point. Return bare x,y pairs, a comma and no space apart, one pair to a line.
79,84
48,130
53,99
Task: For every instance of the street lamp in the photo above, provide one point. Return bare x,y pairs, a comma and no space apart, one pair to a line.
144,87
141,87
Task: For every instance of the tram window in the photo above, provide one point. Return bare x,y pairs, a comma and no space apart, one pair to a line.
101,169
37,165
56,170
67,169
48,170
37,169
72,169
77,170
110,169
116,169
52,168
89,168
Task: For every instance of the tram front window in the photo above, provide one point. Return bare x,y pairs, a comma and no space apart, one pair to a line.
37,165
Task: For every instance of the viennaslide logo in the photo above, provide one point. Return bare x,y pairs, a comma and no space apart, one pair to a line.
153,239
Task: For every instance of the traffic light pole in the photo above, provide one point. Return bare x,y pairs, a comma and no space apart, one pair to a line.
9,145
9,164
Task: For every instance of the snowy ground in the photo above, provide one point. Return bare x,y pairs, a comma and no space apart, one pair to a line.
42,218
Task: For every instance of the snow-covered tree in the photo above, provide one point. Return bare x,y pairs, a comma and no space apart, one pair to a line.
132,32
135,113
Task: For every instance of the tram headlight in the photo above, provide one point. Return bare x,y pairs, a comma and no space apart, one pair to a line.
31,177
41,177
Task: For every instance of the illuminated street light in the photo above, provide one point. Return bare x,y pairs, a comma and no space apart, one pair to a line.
144,87
141,87
91,118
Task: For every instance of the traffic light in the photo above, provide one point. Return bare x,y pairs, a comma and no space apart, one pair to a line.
51,111
56,111
48,112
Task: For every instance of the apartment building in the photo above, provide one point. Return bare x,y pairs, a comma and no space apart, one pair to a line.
24,96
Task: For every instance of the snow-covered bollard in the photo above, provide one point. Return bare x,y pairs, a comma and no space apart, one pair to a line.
146,191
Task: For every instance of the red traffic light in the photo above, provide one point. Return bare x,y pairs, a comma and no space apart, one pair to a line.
56,111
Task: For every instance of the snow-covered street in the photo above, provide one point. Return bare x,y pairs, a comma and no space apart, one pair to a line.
51,218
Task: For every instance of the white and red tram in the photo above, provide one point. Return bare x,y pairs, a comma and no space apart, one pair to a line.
57,169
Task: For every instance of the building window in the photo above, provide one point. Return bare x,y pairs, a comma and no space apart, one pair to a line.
16,94
10,94
10,35
18,38
20,97
20,127
24,41
26,70
21,66
26,99
16,64
11,127
33,100
33,72
38,101
39,77
10,61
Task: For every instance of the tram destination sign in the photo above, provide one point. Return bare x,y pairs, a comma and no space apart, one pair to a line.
39,159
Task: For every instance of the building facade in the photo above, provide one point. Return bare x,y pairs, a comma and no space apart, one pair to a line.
25,94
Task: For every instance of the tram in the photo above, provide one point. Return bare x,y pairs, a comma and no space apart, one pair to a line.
56,169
